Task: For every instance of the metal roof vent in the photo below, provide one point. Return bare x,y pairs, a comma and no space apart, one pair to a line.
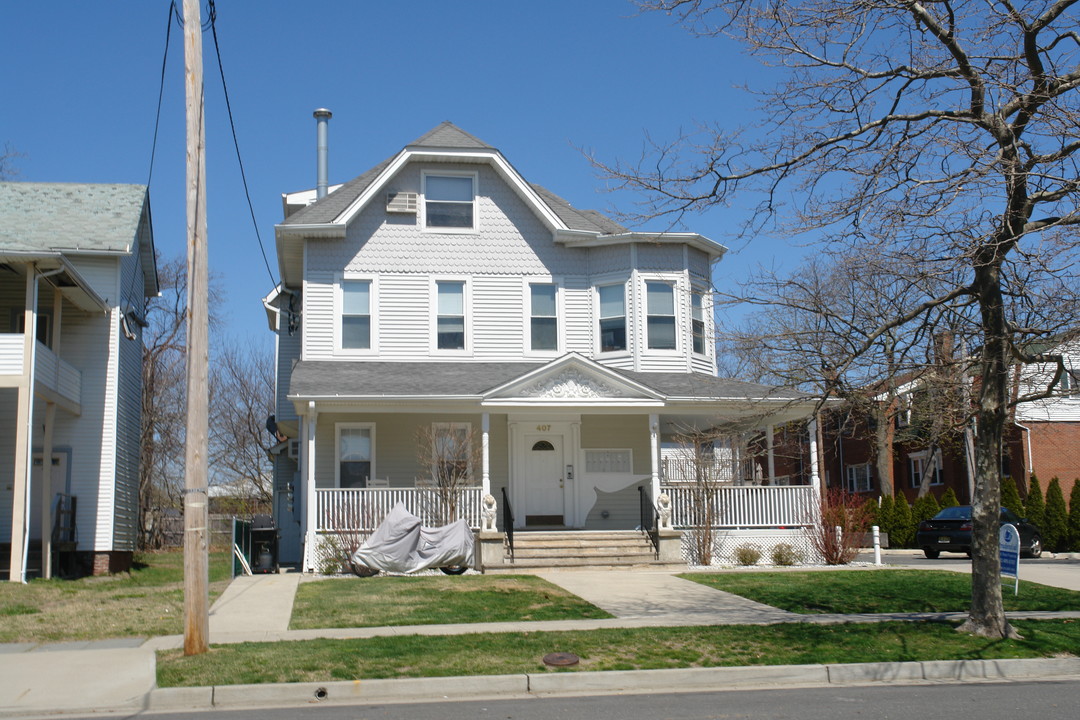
402,202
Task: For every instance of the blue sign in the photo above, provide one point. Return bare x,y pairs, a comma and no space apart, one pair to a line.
1009,544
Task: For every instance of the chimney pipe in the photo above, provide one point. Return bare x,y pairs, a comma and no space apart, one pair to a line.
322,115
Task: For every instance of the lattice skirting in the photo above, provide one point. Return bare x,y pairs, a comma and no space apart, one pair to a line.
726,543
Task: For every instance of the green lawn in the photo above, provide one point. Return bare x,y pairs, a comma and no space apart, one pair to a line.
877,591
617,649
145,602
378,601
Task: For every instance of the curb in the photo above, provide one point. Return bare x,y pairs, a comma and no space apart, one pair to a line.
483,687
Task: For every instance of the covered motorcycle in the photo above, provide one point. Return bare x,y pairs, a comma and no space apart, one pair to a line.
402,544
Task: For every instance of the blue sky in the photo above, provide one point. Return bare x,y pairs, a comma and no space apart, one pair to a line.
538,80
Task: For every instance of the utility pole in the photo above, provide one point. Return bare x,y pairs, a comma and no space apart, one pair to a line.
196,516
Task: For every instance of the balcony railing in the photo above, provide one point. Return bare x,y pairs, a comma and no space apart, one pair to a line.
743,506
363,509
50,371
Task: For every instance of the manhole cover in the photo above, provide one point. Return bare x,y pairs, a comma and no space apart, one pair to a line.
561,659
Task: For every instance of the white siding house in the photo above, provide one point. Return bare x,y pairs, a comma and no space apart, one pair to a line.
441,289
77,263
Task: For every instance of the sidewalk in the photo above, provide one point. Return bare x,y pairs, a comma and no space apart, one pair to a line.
119,674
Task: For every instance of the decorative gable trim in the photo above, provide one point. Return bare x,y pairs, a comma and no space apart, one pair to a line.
572,378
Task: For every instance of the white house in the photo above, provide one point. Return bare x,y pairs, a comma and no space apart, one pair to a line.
440,289
76,264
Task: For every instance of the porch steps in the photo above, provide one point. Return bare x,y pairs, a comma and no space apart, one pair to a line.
541,550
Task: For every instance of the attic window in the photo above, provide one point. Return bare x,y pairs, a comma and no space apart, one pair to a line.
449,201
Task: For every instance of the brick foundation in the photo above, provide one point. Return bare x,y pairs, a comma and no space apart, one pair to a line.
108,563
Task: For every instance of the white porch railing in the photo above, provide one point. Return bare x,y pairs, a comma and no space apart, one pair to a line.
363,509
744,506
49,370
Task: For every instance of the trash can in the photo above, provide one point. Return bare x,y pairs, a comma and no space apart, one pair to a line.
264,544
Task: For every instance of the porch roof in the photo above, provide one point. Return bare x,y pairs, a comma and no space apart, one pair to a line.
313,380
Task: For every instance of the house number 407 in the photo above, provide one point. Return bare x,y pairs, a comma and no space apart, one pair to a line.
543,428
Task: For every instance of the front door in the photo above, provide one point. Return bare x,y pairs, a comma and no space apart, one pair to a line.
544,480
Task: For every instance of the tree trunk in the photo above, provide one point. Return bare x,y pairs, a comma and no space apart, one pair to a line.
987,615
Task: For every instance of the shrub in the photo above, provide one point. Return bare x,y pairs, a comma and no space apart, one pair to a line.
871,509
1010,497
903,533
885,517
747,555
838,529
785,555
1056,530
1036,508
925,508
949,499
1074,516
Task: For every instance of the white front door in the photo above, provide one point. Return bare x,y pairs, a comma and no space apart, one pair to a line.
544,479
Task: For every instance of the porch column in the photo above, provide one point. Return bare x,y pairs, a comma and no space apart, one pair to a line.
485,453
46,492
769,432
310,422
654,451
24,419
815,478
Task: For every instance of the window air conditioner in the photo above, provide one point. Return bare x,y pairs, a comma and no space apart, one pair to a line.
402,202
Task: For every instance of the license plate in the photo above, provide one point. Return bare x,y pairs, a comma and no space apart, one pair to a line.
944,540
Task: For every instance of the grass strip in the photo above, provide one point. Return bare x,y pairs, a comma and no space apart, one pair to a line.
147,601
380,601
615,649
878,591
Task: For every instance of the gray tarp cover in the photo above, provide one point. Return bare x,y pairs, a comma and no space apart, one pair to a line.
400,544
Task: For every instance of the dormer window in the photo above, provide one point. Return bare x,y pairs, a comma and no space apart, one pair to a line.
449,202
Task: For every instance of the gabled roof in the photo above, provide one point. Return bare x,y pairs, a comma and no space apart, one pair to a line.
329,217
53,219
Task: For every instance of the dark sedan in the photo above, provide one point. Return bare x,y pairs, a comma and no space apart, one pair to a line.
950,530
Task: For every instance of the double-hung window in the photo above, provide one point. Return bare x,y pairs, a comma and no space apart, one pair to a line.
660,303
859,478
697,320
449,202
355,455
612,317
355,330
543,317
450,318
924,463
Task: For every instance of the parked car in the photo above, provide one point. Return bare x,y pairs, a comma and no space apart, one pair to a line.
950,531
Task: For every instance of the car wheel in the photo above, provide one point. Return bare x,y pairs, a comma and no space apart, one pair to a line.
931,554
1036,548
454,569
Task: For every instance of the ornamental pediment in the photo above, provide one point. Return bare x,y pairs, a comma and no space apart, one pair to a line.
571,379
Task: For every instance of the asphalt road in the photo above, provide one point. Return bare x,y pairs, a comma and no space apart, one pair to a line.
1052,700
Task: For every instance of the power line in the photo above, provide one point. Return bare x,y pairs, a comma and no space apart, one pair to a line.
228,106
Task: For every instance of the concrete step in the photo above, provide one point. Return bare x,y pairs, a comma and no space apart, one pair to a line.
534,565
523,551
538,550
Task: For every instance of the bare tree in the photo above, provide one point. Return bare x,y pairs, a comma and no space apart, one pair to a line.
161,473
241,399
8,171
937,136
449,456
700,468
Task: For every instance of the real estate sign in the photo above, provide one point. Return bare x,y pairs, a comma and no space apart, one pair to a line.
1009,544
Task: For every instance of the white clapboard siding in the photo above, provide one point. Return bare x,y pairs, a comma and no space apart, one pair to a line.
499,311
318,321
403,322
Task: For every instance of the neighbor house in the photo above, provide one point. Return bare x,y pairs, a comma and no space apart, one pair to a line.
77,265
441,294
